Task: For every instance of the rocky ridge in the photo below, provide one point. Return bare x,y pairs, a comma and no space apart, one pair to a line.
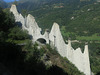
54,38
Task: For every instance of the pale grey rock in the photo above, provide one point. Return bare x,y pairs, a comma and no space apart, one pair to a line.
55,39
46,60
18,17
13,9
48,63
46,35
86,61
32,27
79,59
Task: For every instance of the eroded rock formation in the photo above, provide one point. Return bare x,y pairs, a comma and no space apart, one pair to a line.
54,38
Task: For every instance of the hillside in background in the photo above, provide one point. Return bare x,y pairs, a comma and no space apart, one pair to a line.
86,20
81,19
48,11
34,4
3,4
74,17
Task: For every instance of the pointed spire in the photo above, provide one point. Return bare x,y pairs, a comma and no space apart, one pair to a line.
14,9
55,24
86,61
69,42
86,49
55,27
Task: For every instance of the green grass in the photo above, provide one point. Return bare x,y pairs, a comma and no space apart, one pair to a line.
88,38
17,41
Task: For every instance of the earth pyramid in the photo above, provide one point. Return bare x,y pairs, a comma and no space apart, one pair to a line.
54,38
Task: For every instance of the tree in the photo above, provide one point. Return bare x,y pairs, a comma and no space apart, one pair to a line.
17,33
6,20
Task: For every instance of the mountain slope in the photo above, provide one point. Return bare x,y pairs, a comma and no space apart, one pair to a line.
3,4
31,4
86,20
81,20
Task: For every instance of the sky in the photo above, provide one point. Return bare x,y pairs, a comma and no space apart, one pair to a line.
10,0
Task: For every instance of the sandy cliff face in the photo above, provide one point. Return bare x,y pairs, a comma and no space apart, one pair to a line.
79,59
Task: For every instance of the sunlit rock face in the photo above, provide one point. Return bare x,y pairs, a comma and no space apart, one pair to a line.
55,39
28,23
14,10
79,59
32,27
